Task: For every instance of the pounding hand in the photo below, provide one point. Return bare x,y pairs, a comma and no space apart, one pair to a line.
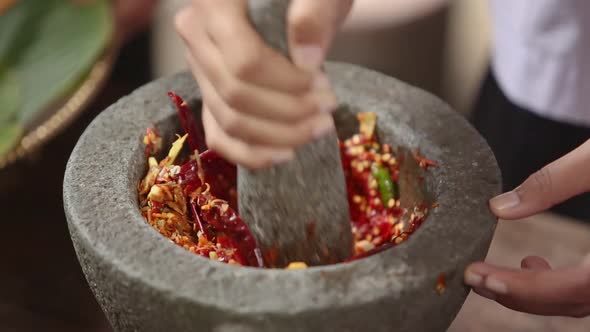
537,288
258,105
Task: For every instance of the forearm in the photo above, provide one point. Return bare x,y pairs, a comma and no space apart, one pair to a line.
371,14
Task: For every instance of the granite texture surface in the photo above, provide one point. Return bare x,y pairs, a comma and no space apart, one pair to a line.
145,283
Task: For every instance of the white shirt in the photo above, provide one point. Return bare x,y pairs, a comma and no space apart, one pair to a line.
541,56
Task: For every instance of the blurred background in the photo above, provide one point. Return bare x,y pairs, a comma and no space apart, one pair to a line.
42,287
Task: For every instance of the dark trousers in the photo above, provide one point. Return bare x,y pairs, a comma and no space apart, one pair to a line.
523,142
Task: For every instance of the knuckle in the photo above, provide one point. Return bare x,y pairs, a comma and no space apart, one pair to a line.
245,156
297,136
232,93
249,63
304,25
181,21
230,123
256,158
210,139
303,131
543,181
258,163
212,143
301,16
308,107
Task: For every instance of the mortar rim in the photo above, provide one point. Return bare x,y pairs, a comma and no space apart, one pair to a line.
410,275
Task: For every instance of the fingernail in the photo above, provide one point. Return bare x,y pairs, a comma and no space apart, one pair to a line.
283,156
496,285
485,293
505,201
323,128
308,56
473,279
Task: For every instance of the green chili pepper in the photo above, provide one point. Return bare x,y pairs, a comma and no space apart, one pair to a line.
384,183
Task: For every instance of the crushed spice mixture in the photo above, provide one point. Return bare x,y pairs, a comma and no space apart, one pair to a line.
192,200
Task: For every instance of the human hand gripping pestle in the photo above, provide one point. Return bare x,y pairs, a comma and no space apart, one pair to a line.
297,211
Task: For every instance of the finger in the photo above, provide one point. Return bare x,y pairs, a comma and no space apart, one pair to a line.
553,184
260,131
247,56
237,152
311,28
546,292
578,310
535,263
247,98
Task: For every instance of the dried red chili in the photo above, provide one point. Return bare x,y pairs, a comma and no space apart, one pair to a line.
441,283
152,142
424,162
196,139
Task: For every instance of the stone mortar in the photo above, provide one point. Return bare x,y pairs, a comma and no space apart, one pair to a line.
145,283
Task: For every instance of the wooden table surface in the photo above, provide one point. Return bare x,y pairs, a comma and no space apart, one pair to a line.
561,241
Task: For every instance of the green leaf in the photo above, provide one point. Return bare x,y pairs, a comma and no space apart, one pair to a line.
69,39
47,48
9,136
18,27
10,101
9,96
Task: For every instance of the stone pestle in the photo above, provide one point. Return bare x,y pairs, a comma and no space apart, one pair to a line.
296,211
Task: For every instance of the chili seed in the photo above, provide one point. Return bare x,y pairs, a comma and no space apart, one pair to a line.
376,231
373,184
296,266
391,203
364,246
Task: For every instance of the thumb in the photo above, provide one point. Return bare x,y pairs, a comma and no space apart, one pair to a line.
553,184
312,25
